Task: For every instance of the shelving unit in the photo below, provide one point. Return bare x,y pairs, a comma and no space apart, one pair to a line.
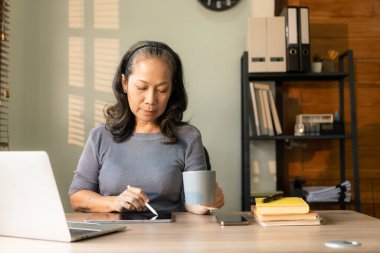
346,72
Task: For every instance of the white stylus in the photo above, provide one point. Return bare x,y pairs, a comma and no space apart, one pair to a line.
151,209
147,205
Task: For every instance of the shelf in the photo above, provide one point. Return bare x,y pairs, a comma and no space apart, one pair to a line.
344,79
305,137
325,76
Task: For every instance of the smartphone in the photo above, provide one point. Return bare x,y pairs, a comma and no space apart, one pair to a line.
231,220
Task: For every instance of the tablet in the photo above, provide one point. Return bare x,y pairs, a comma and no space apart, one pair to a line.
129,217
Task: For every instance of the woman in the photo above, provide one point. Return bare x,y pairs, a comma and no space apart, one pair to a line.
141,152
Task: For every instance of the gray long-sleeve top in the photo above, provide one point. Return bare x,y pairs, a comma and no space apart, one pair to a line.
142,161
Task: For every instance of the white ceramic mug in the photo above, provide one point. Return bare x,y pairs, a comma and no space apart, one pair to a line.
199,186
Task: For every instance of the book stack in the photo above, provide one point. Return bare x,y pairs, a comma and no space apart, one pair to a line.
337,193
287,211
265,116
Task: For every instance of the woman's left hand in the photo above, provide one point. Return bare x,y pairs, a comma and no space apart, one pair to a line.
204,209
218,201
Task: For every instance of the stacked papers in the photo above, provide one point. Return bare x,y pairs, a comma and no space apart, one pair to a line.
340,192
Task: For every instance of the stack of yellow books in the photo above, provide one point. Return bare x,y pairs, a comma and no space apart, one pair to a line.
286,211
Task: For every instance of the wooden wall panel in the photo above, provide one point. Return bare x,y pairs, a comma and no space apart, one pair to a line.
341,25
344,27
376,197
368,209
369,162
321,46
369,136
366,191
294,2
376,8
366,48
344,8
368,114
291,107
340,8
324,95
376,210
376,192
369,73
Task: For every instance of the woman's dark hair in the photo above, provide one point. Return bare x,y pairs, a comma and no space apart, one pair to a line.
120,121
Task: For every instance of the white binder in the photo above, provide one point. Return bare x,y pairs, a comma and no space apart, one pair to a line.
276,46
257,45
266,44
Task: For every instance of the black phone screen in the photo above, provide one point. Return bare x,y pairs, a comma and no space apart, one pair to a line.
226,220
144,216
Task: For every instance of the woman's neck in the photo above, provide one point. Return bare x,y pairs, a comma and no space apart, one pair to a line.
146,127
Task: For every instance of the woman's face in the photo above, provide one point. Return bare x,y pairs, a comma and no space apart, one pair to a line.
148,89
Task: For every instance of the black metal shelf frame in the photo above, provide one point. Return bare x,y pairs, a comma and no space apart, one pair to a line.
346,72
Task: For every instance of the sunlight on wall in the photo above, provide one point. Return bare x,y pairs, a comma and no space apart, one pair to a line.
76,120
90,75
99,107
106,14
106,56
76,13
76,62
263,170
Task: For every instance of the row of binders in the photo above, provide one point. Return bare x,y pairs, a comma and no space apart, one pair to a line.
265,116
280,44
286,211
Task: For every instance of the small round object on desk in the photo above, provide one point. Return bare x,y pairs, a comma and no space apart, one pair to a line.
342,244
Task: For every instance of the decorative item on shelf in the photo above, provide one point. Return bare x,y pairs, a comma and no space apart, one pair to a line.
310,124
299,129
329,63
336,127
316,66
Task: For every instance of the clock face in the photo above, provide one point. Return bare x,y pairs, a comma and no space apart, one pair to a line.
218,5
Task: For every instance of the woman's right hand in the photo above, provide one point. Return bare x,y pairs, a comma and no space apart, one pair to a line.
132,199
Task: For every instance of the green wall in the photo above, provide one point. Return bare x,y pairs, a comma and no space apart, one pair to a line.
209,43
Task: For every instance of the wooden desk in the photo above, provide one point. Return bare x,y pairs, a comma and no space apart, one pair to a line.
198,233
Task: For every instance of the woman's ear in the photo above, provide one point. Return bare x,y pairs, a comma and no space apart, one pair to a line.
124,84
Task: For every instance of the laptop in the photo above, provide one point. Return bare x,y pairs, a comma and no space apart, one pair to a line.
31,206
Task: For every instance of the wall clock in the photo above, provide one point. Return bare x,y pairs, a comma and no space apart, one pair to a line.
218,5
